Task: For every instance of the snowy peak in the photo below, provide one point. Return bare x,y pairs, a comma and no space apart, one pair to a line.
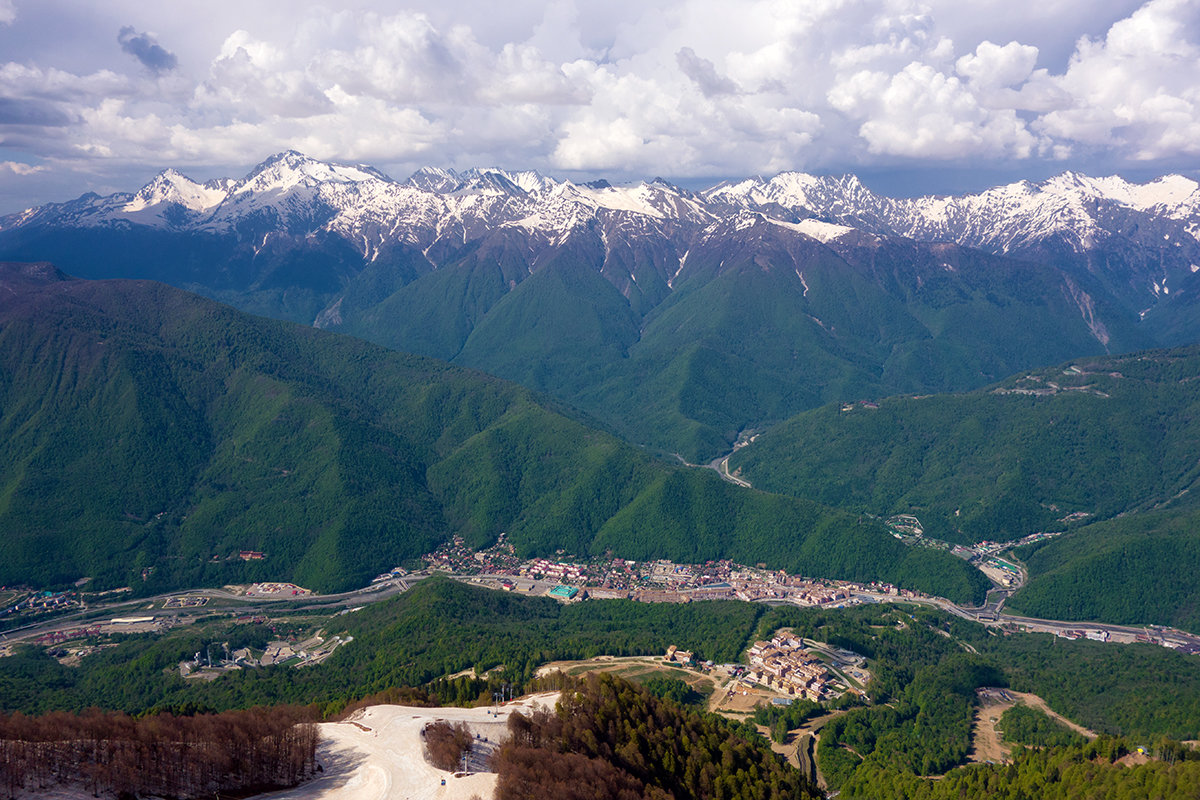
480,179
1152,229
172,186
289,170
1169,194
488,182
434,179
796,191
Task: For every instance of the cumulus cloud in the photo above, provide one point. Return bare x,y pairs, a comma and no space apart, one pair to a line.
678,87
1137,90
703,73
19,168
143,47
8,12
923,113
994,66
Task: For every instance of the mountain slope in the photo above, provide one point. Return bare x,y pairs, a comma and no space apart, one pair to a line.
1137,239
149,435
1097,437
686,316
1114,439
1134,569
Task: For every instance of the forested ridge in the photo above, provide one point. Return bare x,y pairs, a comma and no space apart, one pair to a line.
1077,772
222,432
609,738
1133,569
1100,436
162,755
1104,449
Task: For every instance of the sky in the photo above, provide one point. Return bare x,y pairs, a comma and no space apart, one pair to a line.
940,96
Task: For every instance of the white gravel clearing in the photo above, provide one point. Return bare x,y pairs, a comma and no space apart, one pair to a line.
379,754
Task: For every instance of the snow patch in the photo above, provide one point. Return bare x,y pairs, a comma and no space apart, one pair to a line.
824,232
803,282
635,199
682,261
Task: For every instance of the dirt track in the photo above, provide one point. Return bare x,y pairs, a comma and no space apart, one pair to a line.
987,743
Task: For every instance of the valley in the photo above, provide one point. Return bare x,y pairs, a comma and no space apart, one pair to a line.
98,620
945,460
675,318
600,401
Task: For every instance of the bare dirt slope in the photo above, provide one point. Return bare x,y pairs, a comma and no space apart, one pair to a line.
987,744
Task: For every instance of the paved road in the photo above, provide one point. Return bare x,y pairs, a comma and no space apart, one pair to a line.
989,614
720,464
98,614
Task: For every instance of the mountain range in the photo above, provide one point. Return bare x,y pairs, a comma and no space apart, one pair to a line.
149,436
674,318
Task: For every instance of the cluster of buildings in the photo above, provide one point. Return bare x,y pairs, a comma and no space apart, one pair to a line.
659,581
460,558
58,637
43,602
783,663
553,570
277,590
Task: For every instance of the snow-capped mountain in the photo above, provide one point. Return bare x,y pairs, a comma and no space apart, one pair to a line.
1002,219
1139,237
707,310
1151,228
297,192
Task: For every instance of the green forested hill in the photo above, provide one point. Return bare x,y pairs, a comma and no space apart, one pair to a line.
1114,440
1134,569
759,323
147,435
1099,436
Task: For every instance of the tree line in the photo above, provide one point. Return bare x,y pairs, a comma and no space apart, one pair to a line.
163,755
610,738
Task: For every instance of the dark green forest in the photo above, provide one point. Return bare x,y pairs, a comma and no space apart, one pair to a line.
762,324
1113,441
441,627
1028,726
147,436
612,739
1133,569
1101,436
1077,772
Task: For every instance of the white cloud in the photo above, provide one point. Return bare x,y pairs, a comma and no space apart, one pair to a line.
675,87
994,66
1137,91
923,113
20,168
